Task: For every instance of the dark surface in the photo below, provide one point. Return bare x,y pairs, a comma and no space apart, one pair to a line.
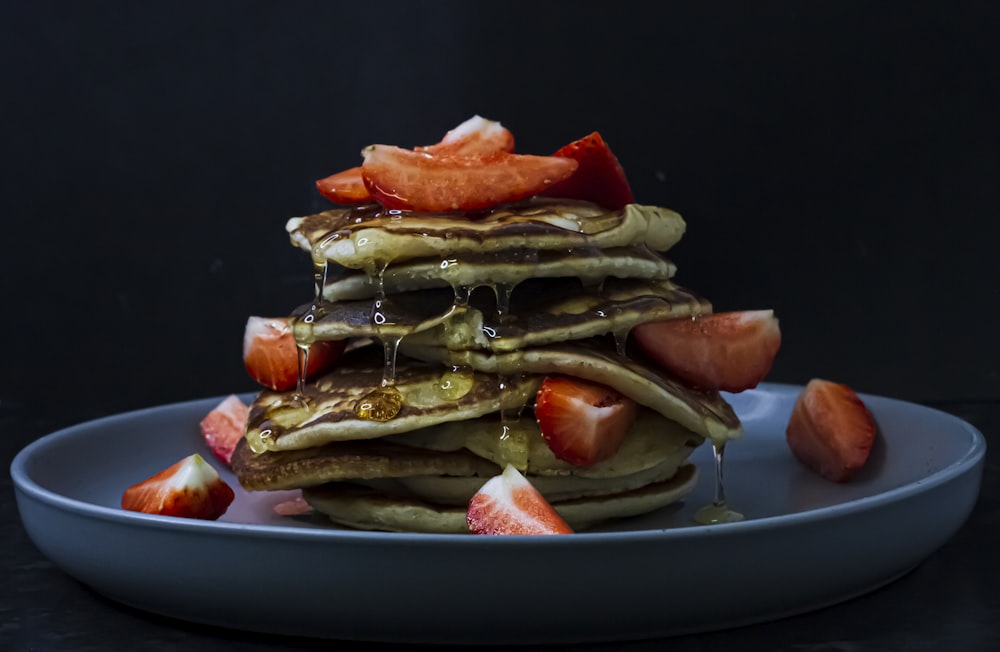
949,602
835,161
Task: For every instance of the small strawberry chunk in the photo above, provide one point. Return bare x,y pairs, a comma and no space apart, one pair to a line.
582,422
403,179
509,504
347,187
728,351
599,177
476,136
191,488
223,427
271,355
831,430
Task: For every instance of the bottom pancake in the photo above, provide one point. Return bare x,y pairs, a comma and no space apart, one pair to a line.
365,508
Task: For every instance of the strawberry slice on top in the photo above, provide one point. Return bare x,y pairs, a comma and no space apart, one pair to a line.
223,427
403,179
191,488
271,355
726,351
831,430
599,177
582,422
477,136
509,504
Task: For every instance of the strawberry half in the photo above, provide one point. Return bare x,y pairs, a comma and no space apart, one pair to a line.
271,356
728,351
599,177
477,136
223,427
831,430
509,504
582,422
190,488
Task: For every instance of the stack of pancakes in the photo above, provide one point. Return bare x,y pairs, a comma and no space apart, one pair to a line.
453,321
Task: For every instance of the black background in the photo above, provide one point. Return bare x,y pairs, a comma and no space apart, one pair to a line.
836,161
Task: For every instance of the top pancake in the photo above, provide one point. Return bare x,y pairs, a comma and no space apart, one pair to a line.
370,237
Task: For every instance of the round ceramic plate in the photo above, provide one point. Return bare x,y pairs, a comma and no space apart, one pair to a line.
806,542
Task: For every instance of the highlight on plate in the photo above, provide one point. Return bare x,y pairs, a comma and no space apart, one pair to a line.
496,344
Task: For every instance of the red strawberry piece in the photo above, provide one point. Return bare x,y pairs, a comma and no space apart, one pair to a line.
728,351
582,422
599,177
347,187
271,355
407,180
476,136
224,426
191,488
831,431
509,504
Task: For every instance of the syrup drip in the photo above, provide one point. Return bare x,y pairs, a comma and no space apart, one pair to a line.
719,511
384,402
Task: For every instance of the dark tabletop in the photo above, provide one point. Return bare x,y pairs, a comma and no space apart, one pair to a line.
949,602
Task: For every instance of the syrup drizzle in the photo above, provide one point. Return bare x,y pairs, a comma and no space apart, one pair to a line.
718,511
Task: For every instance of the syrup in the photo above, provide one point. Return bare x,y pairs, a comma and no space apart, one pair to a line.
718,511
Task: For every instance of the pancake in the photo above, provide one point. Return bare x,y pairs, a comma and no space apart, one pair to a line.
471,448
365,508
498,268
278,420
368,237
541,312
705,413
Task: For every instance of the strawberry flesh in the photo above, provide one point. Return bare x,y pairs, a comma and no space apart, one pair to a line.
582,422
830,430
729,351
191,488
599,177
223,427
346,187
406,180
509,504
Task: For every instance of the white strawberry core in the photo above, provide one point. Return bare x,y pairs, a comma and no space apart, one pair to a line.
193,472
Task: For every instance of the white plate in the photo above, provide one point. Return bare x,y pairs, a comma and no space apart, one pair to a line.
807,542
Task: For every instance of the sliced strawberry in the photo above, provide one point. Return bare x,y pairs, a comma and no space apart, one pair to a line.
509,504
476,136
582,422
345,187
190,488
728,351
223,427
599,177
407,180
272,357
831,430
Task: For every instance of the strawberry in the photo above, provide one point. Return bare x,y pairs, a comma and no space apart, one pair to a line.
509,504
271,356
599,177
830,430
223,427
407,180
475,137
346,187
730,351
190,488
582,422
